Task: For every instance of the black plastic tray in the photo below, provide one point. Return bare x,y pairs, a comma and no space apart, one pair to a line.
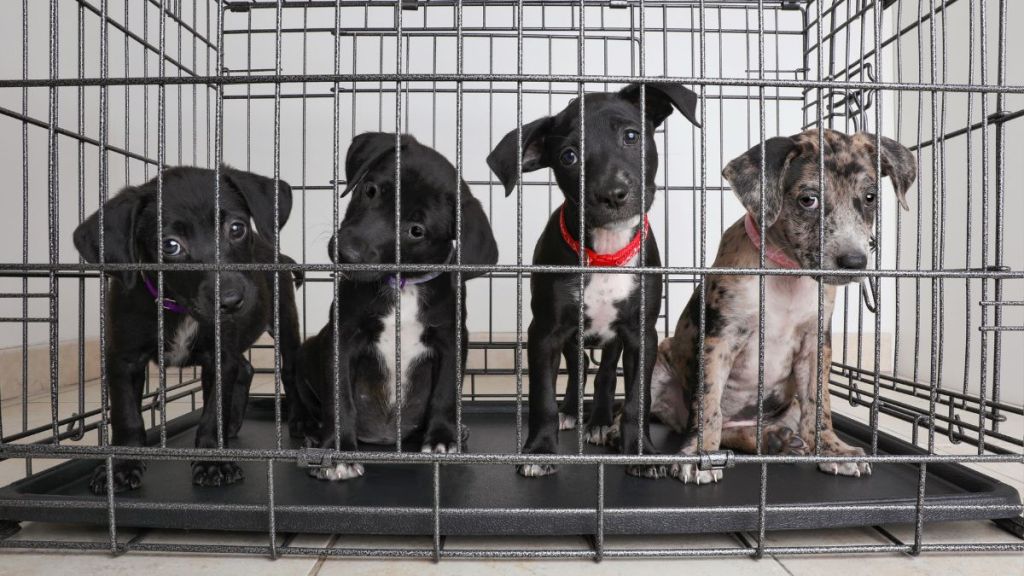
493,499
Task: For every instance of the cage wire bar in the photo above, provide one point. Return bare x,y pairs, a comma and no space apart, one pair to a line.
848,65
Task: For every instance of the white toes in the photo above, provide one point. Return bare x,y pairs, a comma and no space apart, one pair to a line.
854,469
691,474
340,472
440,448
536,470
566,421
598,435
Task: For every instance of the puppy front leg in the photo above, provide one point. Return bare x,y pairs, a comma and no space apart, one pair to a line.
542,352
339,419
240,396
630,432
441,436
300,422
216,472
126,379
569,411
718,359
806,375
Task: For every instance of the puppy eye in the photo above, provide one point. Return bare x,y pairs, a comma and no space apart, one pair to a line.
417,231
370,191
569,157
870,198
630,137
808,202
171,247
237,230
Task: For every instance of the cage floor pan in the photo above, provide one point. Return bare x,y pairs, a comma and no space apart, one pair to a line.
493,499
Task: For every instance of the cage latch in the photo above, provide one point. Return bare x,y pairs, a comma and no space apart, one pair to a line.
410,4
315,458
717,460
618,3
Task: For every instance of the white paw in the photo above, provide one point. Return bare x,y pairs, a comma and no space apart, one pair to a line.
598,435
536,470
691,474
856,469
566,421
440,448
338,472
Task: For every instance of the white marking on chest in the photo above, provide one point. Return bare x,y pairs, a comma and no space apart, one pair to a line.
178,348
606,290
412,344
791,313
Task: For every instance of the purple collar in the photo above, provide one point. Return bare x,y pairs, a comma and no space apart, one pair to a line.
168,303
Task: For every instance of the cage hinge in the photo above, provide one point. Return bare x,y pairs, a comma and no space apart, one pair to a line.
793,5
315,458
618,3
1013,525
410,4
717,460
237,6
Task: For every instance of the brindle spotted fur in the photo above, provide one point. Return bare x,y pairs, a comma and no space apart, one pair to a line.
730,352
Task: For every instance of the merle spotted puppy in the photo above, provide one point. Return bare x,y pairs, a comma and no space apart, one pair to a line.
366,331
246,303
614,231
792,211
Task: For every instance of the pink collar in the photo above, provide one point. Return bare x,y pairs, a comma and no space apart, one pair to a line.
770,252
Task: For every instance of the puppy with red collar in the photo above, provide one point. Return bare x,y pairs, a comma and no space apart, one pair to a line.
792,212
616,197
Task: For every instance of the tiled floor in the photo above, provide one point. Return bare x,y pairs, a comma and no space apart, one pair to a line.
27,563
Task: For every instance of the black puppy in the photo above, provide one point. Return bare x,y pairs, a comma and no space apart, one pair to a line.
366,331
246,303
615,228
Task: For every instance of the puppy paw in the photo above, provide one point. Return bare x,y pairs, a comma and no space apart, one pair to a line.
127,476
343,471
440,440
536,470
441,448
855,469
691,474
566,421
302,428
784,441
216,473
646,471
598,435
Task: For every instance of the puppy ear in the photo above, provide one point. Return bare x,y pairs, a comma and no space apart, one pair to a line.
503,159
365,150
478,243
744,174
258,193
661,98
898,163
119,245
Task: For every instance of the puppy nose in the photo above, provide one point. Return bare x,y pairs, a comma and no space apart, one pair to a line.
614,198
853,261
231,300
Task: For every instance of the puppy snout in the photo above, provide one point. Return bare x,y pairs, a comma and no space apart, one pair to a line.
355,251
231,300
614,198
855,260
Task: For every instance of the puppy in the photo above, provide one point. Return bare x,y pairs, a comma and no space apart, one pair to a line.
615,228
366,379
246,303
792,205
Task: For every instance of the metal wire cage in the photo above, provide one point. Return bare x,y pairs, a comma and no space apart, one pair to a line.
108,93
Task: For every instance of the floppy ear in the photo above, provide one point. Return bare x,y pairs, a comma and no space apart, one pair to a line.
661,98
898,163
503,159
258,193
744,174
119,215
365,150
478,243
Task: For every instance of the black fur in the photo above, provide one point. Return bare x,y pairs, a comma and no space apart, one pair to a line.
367,236
614,185
130,236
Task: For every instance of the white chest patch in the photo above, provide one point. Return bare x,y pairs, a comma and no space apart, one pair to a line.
606,290
791,313
411,334
178,348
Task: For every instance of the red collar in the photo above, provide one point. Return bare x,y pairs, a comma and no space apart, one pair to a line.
770,252
614,259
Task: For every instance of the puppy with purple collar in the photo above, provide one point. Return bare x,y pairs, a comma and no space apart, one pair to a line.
616,197
792,210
